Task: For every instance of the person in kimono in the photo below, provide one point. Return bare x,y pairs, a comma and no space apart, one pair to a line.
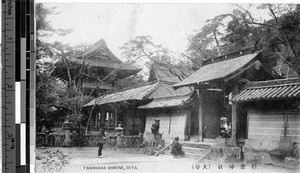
176,148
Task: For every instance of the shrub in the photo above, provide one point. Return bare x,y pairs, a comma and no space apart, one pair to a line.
53,161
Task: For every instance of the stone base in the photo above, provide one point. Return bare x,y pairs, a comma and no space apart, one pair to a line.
226,154
151,141
226,142
269,145
67,143
152,151
296,151
257,157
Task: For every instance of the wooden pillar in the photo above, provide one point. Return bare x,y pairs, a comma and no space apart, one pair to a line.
189,123
133,116
170,123
234,113
116,119
233,119
96,123
200,113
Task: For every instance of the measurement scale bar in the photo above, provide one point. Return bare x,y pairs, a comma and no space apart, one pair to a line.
18,86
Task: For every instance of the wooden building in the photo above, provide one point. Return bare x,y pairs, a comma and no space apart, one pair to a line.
176,113
101,68
121,107
176,110
271,111
217,81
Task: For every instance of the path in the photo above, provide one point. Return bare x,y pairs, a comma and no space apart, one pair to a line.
118,161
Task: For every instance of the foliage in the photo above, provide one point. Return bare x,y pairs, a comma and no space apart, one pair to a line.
277,38
207,43
45,30
48,92
78,136
143,48
53,92
143,51
48,89
134,80
53,161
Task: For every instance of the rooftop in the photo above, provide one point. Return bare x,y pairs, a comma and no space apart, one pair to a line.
269,90
138,93
167,102
220,69
148,91
98,56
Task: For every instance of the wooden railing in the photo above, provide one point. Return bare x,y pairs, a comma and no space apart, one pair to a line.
107,126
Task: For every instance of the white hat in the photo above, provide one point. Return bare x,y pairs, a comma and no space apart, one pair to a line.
223,118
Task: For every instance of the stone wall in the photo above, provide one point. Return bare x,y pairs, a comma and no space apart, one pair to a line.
270,130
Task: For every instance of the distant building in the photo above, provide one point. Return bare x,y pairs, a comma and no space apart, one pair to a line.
103,68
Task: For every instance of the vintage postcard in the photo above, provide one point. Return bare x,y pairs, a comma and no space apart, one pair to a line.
167,87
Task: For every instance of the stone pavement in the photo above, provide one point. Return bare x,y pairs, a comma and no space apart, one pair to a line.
130,160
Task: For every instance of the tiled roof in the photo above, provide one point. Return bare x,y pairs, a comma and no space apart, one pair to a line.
131,94
218,70
166,102
111,61
269,90
98,56
100,45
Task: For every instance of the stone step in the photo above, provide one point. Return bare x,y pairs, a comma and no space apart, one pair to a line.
209,140
205,145
194,156
194,150
190,155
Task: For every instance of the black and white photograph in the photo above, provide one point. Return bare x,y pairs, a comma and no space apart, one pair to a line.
167,87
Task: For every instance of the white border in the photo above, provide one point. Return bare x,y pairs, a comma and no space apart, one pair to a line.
167,1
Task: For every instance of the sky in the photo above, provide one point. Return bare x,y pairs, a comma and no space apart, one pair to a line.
168,24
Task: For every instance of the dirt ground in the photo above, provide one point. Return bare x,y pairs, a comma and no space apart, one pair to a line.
131,160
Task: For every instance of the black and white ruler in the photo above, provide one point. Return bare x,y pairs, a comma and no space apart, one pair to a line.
18,85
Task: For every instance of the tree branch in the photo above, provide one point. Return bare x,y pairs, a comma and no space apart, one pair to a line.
262,24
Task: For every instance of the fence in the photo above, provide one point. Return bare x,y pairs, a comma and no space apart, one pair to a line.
91,140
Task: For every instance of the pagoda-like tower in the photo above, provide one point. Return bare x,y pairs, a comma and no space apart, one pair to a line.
101,69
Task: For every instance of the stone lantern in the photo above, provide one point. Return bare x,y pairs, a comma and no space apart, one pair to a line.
119,133
67,127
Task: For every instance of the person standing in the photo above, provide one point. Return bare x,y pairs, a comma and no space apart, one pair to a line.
155,126
101,142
